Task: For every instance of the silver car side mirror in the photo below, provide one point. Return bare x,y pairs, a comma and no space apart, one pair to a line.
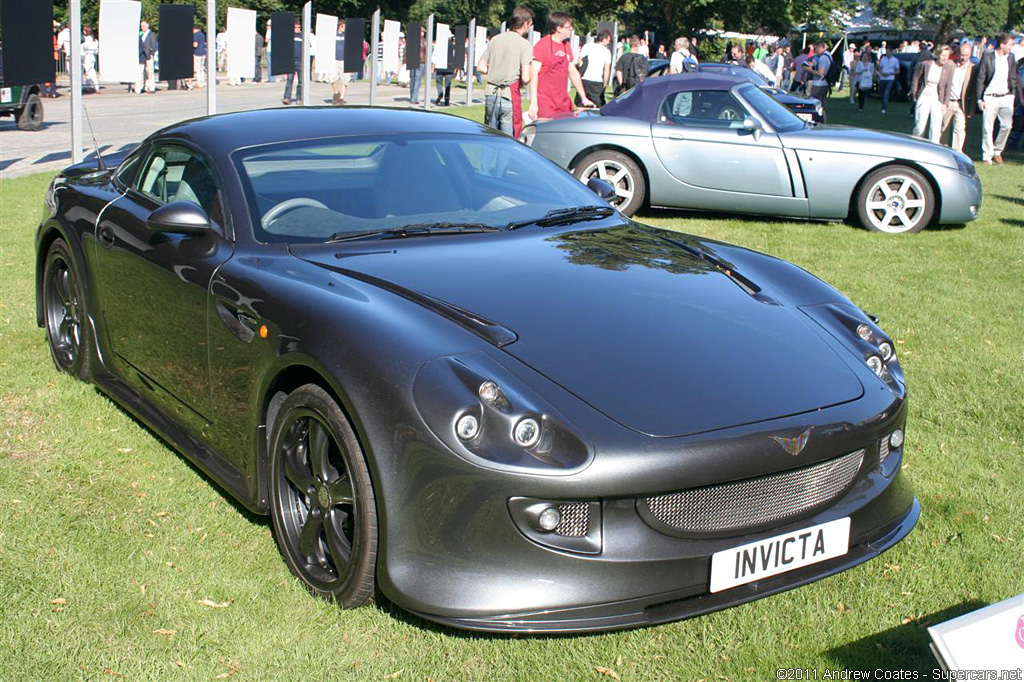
752,125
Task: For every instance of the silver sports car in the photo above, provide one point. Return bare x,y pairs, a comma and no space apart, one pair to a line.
719,143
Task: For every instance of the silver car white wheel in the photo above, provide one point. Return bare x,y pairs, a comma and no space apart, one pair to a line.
617,175
896,200
621,171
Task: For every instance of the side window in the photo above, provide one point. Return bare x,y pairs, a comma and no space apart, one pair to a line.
704,109
175,173
128,170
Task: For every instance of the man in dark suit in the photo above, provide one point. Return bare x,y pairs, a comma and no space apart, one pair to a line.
929,90
961,103
997,87
146,81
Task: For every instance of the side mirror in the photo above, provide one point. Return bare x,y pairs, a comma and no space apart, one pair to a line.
752,125
181,217
601,188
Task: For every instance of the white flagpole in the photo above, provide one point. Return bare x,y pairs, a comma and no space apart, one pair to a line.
75,10
307,17
211,57
470,61
429,69
374,43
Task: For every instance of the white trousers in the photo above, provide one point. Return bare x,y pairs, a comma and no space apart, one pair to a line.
928,114
1001,109
146,78
955,118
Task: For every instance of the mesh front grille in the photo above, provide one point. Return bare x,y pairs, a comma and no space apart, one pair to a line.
883,450
575,519
756,501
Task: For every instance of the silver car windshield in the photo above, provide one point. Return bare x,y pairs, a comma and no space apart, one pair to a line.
314,190
779,117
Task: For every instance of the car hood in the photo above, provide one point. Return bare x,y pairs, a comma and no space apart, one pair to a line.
846,139
652,336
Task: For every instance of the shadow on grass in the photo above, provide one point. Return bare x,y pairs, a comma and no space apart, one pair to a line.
900,648
1013,200
1013,222
697,214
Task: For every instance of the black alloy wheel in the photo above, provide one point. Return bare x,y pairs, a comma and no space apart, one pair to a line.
321,498
31,115
67,325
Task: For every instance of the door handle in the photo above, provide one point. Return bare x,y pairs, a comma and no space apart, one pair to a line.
241,325
675,136
106,236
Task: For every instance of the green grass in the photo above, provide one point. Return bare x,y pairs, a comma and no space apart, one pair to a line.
98,512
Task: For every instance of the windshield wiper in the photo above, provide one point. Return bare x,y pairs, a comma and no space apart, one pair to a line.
565,216
414,230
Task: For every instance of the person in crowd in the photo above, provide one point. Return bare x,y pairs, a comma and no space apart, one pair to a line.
776,63
221,44
596,68
340,79
914,47
506,62
403,70
735,55
888,69
863,78
761,69
643,49
798,81
849,64
258,50
443,77
146,80
661,53
270,55
416,75
960,103
998,88
90,54
296,72
198,60
929,90
853,87
553,68
761,51
631,68
683,59
817,70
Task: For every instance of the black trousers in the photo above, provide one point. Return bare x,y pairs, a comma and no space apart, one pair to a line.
594,91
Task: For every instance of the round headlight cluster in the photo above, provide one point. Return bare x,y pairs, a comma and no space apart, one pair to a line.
875,364
885,348
467,427
489,392
526,433
864,332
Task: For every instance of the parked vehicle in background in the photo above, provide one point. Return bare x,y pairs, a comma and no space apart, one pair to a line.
23,103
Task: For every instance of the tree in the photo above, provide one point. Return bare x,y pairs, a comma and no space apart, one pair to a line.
970,16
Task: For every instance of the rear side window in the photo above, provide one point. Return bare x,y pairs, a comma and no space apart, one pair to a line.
703,108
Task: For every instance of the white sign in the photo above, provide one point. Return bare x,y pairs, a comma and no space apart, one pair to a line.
989,639
534,37
574,42
392,29
241,42
440,53
323,50
6,95
119,49
481,42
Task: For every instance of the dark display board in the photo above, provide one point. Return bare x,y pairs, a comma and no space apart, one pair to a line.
491,32
26,31
355,34
601,25
412,46
282,43
458,55
176,41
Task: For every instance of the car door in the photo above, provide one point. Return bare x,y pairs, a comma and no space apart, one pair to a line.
154,285
700,140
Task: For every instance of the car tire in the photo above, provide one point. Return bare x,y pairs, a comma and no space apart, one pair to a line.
321,498
30,116
64,312
896,199
622,172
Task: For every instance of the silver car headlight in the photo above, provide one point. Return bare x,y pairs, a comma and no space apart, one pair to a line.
966,166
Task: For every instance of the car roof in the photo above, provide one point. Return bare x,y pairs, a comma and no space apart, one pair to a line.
643,101
224,133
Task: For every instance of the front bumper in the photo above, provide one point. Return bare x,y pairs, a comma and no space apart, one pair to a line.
961,195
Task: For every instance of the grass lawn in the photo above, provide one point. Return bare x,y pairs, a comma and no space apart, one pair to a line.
119,558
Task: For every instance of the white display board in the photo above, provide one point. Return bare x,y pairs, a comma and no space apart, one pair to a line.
323,50
119,49
574,42
241,42
991,638
481,42
392,32
534,36
440,53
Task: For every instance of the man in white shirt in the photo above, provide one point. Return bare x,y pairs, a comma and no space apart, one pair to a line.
761,69
961,102
997,87
683,60
888,68
596,68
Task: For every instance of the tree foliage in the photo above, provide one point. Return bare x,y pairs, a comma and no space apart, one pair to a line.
970,16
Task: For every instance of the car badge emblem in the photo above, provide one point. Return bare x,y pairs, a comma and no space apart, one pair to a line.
794,446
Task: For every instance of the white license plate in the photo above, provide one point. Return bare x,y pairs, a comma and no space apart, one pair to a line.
806,117
779,554
6,95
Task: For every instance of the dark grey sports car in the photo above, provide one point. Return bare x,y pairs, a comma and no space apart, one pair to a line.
451,373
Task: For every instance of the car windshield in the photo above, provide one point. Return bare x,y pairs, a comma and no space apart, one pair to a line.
338,188
738,71
781,119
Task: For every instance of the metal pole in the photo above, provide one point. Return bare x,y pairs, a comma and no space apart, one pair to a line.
307,17
503,27
75,10
211,57
470,62
374,43
428,70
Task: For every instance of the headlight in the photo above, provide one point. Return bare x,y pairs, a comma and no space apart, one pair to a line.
861,336
487,415
966,166
527,134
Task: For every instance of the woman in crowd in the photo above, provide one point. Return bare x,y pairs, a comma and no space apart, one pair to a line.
863,78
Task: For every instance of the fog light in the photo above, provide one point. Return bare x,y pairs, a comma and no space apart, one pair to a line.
896,439
527,432
864,332
489,392
974,211
875,363
467,427
549,519
886,350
